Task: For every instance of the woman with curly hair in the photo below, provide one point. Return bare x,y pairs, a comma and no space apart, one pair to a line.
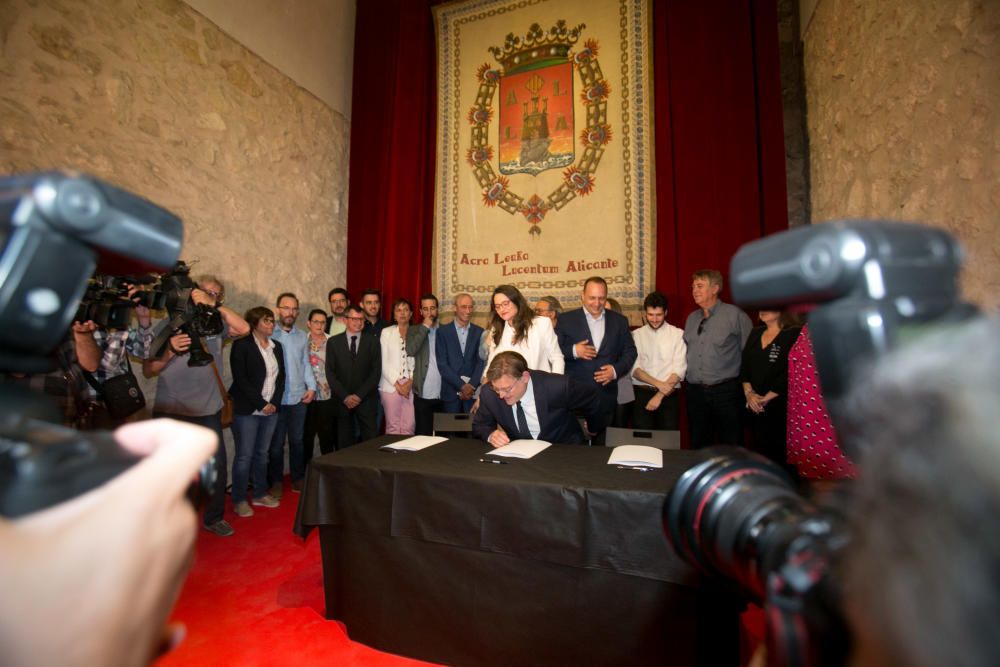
513,326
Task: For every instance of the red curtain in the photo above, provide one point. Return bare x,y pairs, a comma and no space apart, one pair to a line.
720,172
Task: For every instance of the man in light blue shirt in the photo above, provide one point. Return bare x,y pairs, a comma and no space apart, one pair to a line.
426,375
300,389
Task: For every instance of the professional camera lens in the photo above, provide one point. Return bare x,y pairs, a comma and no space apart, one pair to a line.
730,513
735,516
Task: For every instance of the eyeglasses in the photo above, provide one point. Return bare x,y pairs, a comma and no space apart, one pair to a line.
267,320
504,392
542,311
701,325
323,322
356,319
503,305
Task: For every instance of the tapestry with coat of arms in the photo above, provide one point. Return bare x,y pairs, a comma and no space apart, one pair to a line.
544,171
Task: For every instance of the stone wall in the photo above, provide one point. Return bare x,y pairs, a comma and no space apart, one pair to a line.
904,120
151,96
793,108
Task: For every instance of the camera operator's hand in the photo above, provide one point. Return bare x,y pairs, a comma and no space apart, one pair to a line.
88,354
84,328
141,312
180,343
200,296
91,581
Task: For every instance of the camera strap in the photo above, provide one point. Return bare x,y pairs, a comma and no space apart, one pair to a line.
98,387
227,401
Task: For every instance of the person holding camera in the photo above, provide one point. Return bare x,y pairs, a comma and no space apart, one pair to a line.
113,396
192,393
98,562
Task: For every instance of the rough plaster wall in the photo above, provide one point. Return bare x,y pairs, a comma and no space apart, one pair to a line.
904,120
154,98
149,95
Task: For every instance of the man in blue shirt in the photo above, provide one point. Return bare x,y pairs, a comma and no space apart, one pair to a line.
300,389
426,375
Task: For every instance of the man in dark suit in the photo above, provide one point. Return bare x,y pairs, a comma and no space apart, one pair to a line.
458,358
518,404
597,344
353,369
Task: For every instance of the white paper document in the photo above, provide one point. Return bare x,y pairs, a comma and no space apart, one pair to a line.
636,455
521,449
415,443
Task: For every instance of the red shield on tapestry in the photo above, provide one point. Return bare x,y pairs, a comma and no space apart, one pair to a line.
536,119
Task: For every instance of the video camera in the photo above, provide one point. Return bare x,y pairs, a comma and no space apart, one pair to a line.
55,229
195,319
870,286
107,302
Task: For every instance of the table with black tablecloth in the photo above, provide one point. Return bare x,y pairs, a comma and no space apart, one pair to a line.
555,560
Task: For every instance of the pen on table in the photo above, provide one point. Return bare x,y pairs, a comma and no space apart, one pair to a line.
497,461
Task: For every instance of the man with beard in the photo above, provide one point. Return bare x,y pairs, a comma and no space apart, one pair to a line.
339,301
300,389
658,369
426,374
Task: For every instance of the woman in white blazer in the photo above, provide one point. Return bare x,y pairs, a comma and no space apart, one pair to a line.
514,327
396,385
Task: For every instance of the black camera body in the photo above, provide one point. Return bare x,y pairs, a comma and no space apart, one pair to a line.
870,285
107,303
194,319
56,228
42,465
737,518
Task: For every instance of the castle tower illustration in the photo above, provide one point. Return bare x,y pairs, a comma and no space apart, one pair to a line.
535,139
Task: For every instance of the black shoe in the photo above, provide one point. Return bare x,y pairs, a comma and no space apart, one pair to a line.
221,528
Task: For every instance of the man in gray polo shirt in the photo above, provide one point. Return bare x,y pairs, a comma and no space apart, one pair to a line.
191,393
715,335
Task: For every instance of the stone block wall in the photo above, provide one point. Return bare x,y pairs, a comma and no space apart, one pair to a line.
903,102
151,96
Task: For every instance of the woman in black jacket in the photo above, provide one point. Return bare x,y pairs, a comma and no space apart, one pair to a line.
764,373
258,369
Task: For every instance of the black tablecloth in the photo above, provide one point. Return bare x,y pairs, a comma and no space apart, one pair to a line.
542,561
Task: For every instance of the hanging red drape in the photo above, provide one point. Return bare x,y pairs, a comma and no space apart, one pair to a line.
720,174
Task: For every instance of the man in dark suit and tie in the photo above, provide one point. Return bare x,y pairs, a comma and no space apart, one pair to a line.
518,404
457,352
353,369
597,345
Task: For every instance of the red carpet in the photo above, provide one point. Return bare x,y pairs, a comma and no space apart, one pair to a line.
256,598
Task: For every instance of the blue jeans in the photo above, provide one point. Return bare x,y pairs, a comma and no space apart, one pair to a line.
252,436
291,423
217,503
